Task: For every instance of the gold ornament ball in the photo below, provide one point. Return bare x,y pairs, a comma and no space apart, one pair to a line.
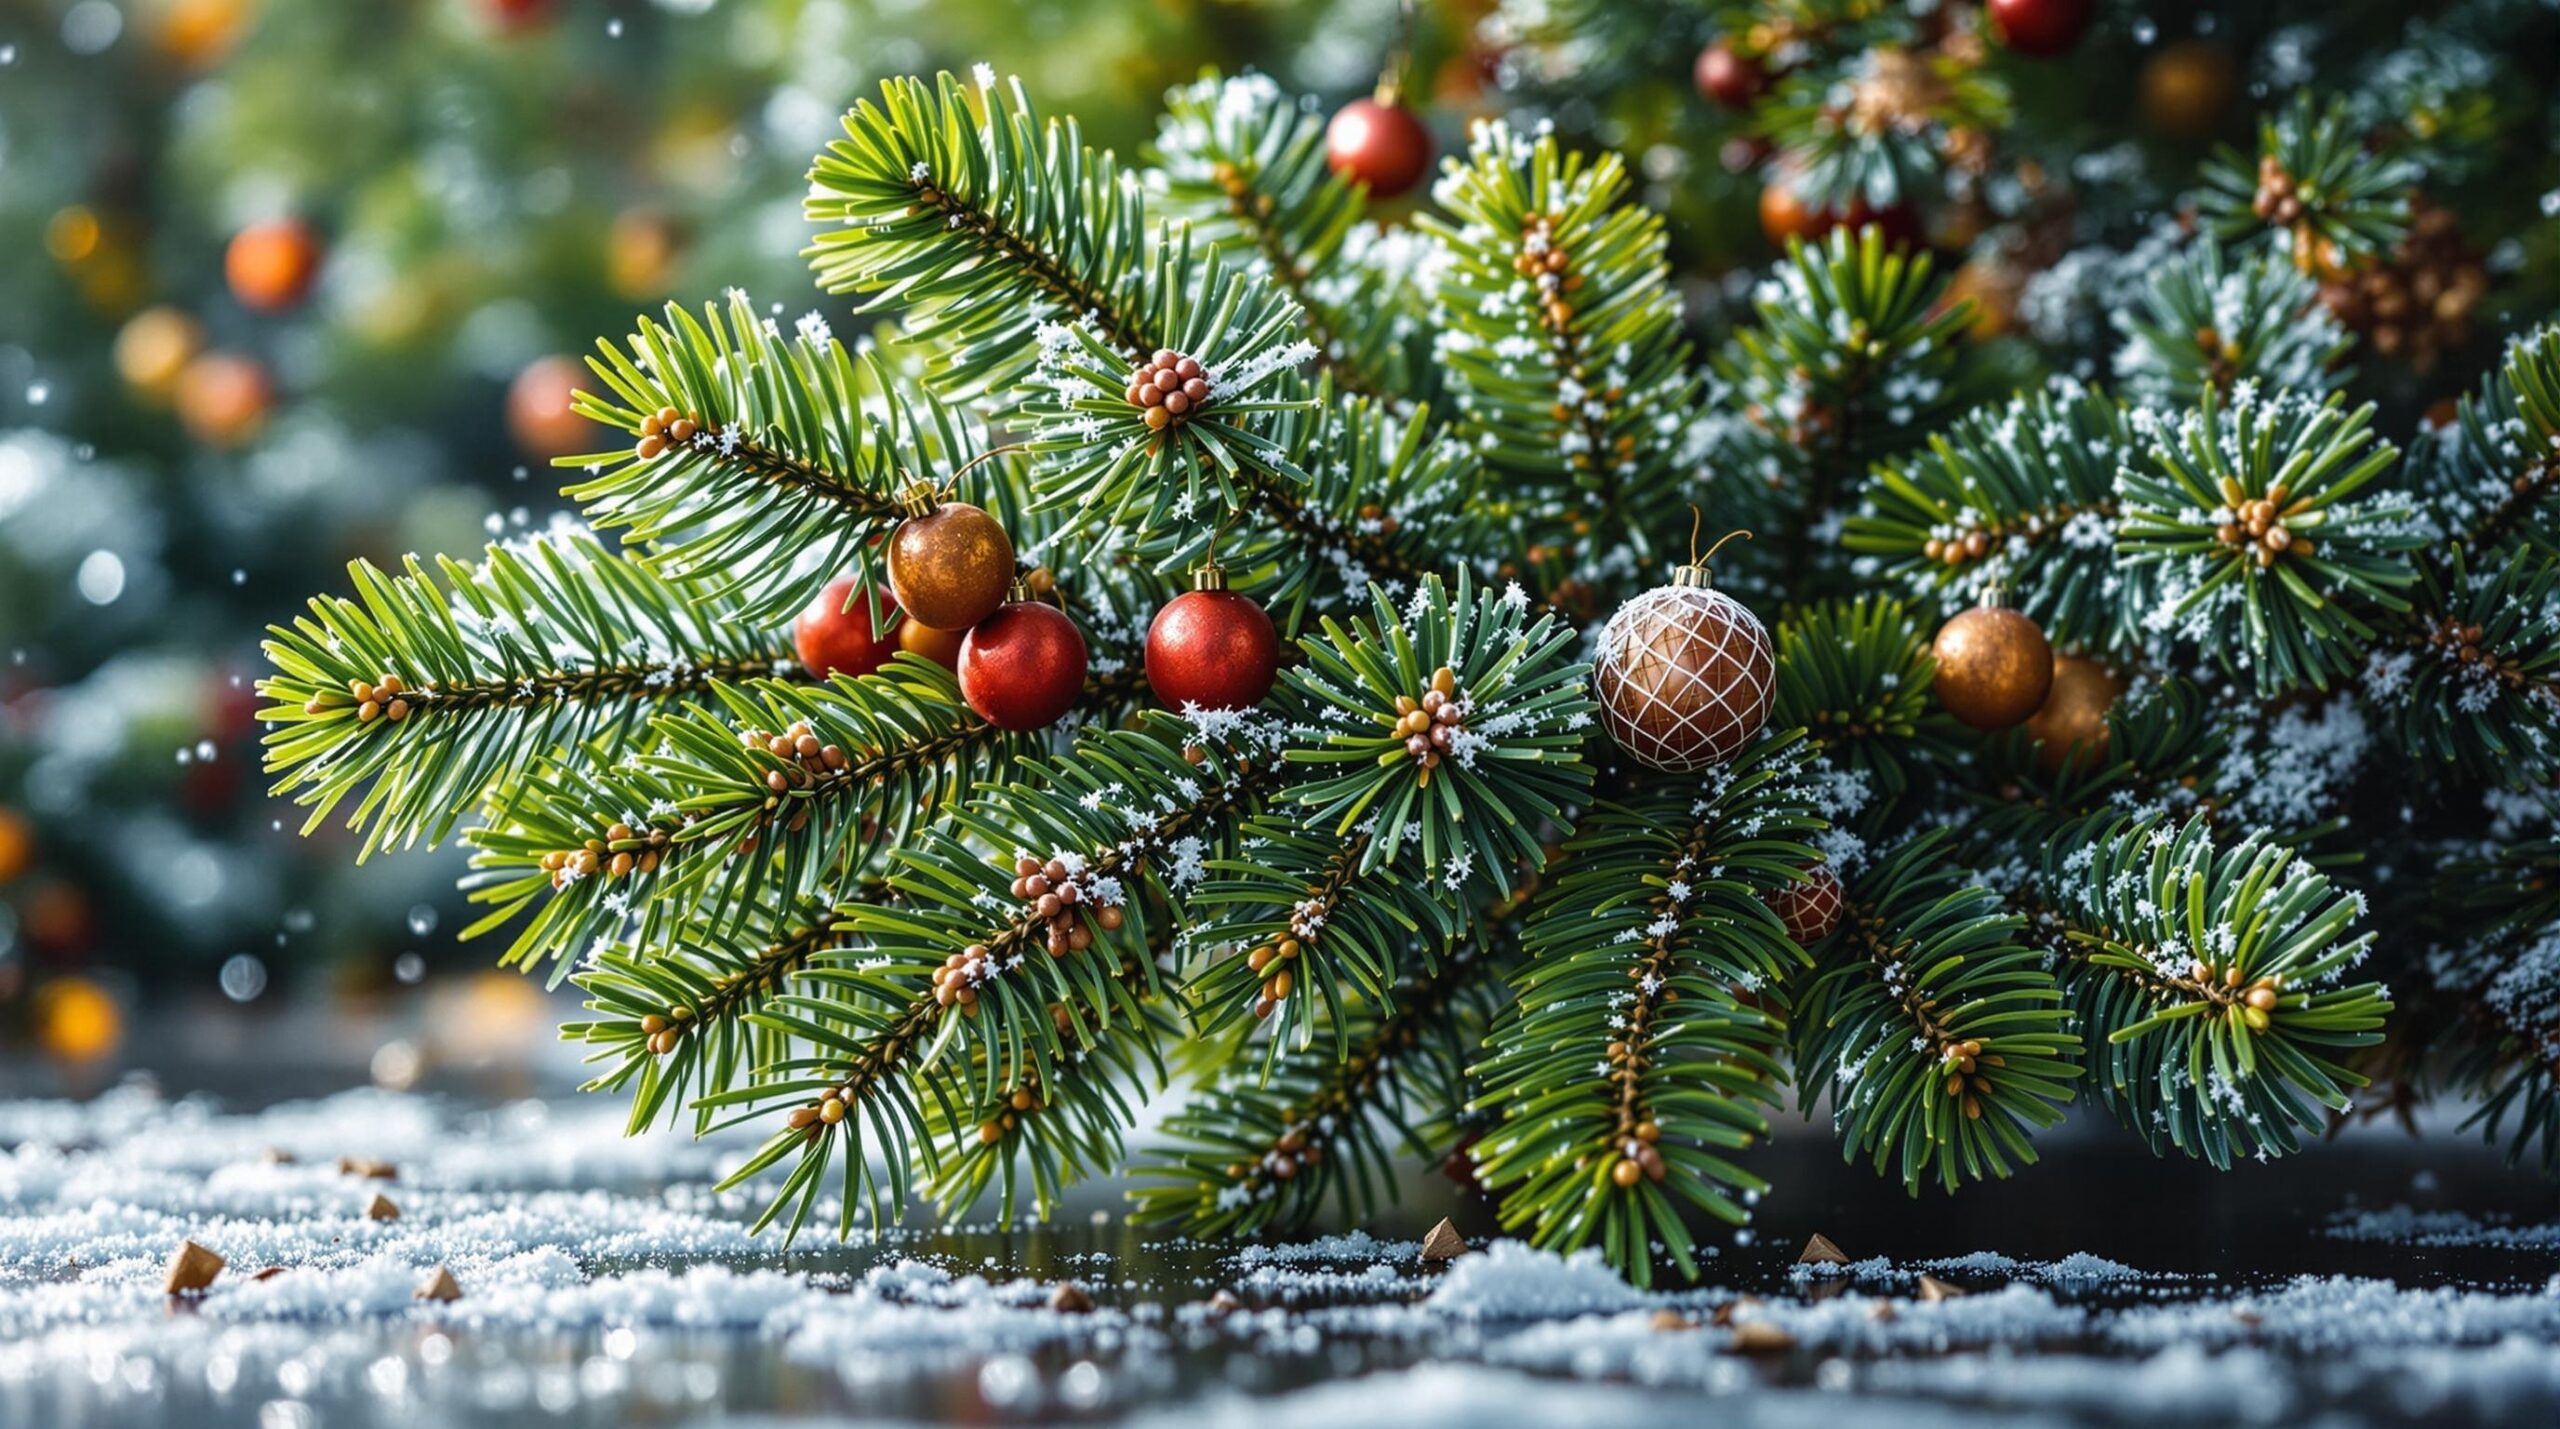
1994,667
2187,87
2074,715
153,347
949,567
1684,676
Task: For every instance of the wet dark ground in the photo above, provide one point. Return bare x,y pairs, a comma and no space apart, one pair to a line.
2097,1192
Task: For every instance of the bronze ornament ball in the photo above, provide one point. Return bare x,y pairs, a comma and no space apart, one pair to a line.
1810,910
1994,667
1684,675
950,565
2074,713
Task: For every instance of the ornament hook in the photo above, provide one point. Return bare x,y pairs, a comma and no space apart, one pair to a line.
1695,573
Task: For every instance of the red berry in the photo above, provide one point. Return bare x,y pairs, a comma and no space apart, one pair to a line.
833,639
1381,145
1212,648
1728,78
1023,666
2038,29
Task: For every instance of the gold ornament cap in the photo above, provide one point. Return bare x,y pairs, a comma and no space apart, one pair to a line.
1209,575
916,498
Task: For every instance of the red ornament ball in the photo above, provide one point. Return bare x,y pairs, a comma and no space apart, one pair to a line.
1729,78
1023,666
2039,29
1378,144
1215,649
833,638
1810,909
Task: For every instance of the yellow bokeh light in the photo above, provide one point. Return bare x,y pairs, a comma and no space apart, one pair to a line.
76,1020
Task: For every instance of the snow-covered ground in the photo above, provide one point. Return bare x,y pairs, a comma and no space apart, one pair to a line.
604,1282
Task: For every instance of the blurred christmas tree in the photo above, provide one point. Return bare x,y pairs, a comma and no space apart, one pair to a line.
297,282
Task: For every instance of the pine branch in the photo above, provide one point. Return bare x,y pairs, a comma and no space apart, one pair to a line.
2022,496
673,1018
1245,164
1940,1039
1456,717
769,793
971,962
1854,353
790,446
2495,473
2216,978
2205,325
2243,525
2317,190
982,223
1559,331
2472,677
1854,675
1882,129
1313,930
424,695
1626,1071
1384,498
1317,1127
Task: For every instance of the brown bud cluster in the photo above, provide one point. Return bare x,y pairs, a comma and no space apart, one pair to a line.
2256,526
2277,200
1168,388
1057,900
664,1032
1639,1157
1964,1062
620,852
1022,1101
385,698
667,427
2254,1006
1428,725
2419,302
1547,265
1295,1151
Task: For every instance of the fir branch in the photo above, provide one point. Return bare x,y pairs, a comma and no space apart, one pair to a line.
2320,194
1458,685
2205,325
2473,675
1854,353
1268,1153
1312,929
1626,1072
1559,330
2244,526
2021,496
1941,1041
1245,164
768,793
674,1017
1855,675
779,445
425,695
2216,977
982,222
1016,979
2494,473
1884,128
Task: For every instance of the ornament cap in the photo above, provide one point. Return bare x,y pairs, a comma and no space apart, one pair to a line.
1209,575
1017,591
916,498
